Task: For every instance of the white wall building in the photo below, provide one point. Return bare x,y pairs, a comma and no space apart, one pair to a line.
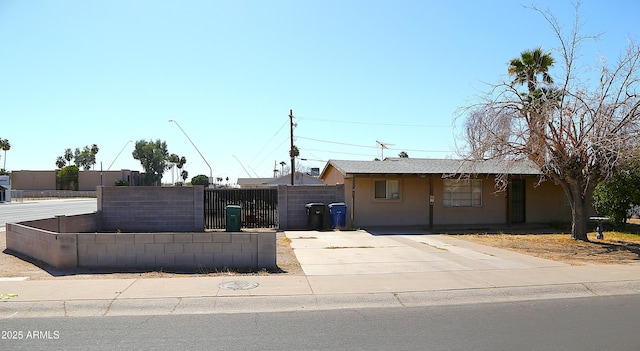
5,188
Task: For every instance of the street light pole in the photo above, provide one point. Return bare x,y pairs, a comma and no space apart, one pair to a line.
112,162
195,147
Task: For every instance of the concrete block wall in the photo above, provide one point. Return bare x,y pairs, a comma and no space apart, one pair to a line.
67,224
56,249
84,241
194,251
151,209
292,213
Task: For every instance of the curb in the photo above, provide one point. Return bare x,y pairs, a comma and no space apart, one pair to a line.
295,303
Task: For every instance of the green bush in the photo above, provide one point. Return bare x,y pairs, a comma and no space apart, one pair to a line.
67,178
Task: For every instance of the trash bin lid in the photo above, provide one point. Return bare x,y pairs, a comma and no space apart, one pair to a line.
337,204
313,204
233,206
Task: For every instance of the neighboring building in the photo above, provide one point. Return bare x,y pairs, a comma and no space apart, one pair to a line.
87,180
5,188
299,179
428,192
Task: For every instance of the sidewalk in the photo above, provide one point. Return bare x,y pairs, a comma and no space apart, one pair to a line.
342,270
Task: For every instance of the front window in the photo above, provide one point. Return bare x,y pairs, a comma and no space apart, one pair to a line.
463,193
387,189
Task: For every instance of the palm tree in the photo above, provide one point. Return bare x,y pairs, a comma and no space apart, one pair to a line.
68,155
60,162
526,69
530,65
5,146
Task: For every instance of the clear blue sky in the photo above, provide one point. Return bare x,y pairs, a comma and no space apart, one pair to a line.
76,73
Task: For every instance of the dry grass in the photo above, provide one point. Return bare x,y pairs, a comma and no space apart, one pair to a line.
615,248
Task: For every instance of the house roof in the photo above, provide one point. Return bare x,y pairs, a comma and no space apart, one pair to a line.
300,179
253,181
431,166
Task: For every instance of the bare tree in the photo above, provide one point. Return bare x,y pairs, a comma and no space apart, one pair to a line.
577,131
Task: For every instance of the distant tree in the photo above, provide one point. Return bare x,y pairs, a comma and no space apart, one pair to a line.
403,154
200,179
616,197
153,157
5,146
294,152
178,162
60,162
181,162
184,174
67,178
68,155
86,158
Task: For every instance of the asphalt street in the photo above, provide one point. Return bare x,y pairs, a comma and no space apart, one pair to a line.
30,210
597,323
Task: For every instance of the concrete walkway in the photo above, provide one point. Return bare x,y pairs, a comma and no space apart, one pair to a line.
348,269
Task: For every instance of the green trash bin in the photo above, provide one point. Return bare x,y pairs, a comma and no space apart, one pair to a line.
233,218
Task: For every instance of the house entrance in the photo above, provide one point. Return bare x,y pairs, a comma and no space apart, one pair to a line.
517,201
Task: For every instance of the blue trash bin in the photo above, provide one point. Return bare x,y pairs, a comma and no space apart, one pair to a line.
338,212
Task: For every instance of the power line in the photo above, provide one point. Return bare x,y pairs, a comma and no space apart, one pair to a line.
335,152
269,142
371,123
367,146
335,142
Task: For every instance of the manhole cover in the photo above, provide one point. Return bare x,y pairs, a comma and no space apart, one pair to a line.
238,285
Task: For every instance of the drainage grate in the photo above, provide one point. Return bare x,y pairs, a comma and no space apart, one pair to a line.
238,285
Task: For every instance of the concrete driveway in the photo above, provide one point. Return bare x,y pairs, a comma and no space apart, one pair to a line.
322,253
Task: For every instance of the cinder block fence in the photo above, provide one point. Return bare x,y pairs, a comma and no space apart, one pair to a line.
146,227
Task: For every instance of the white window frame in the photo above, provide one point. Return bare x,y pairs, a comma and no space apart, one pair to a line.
392,189
462,193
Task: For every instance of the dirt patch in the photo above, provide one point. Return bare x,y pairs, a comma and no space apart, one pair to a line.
615,248
15,265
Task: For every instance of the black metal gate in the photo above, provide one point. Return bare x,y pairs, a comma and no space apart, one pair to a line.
259,207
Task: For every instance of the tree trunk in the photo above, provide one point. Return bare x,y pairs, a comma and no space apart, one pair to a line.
579,216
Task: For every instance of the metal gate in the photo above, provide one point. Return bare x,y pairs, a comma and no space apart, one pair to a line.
259,207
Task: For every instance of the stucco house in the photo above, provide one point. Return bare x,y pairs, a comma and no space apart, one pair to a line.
440,192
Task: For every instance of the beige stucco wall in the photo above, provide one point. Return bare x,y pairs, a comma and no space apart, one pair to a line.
493,209
544,203
33,180
410,209
333,177
46,180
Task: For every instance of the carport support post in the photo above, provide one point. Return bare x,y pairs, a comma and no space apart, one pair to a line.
431,201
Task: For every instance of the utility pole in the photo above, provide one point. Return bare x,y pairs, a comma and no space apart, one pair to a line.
291,150
382,147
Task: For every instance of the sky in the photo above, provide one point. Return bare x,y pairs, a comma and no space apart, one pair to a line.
356,74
